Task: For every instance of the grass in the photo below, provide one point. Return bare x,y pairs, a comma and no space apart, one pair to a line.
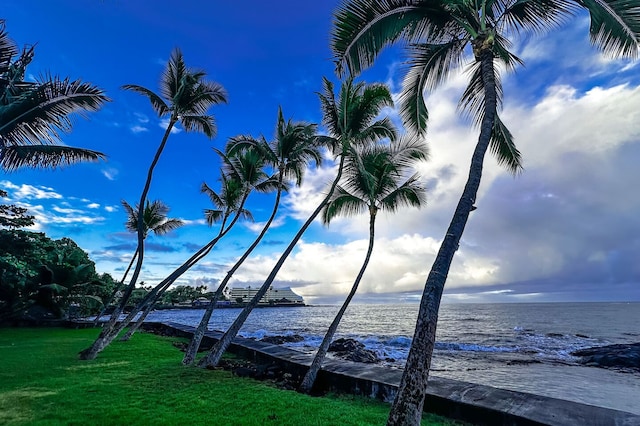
143,382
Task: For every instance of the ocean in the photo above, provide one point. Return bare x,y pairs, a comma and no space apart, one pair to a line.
522,347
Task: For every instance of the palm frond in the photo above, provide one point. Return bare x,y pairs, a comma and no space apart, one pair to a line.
168,226
472,102
213,216
538,16
410,194
199,123
362,28
429,65
343,204
157,103
503,147
45,156
615,26
41,112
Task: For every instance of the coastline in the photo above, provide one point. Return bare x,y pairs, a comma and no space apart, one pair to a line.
479,404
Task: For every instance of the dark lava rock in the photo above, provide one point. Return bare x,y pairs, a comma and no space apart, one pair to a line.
353,350
279,340
617,356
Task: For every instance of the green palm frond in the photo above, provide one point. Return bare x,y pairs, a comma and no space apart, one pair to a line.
538,16
185,95
362,28
168,226
328,106
157,103
472,102
410,194
429,65
504,148
343,204
42,111
199,123
213,216
8,48
615,26
45,156
154,218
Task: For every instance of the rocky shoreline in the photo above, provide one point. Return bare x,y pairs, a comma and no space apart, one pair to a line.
611,356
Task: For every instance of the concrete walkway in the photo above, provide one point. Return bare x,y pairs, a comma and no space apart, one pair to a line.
477,404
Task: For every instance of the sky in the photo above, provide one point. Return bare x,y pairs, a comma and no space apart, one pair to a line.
565,229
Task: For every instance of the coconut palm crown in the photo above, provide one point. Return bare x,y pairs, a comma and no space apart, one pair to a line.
34,114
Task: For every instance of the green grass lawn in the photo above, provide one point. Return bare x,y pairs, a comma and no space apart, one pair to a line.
143,382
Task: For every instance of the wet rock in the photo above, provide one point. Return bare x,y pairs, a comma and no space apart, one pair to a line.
279,340
353,350
611,356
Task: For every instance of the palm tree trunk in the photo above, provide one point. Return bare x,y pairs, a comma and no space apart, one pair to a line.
194,345
408,404
316,364
117,289
108,332
148,303
213,357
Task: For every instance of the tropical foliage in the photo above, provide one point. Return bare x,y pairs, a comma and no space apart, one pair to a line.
43,278
293,146
185,97
373,182
351,120
440,37
33,114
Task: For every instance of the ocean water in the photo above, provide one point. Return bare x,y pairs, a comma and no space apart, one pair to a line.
523,347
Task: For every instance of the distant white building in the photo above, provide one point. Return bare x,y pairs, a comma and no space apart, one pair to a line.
284,296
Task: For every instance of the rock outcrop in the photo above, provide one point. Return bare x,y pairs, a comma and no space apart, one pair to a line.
611,356
353,350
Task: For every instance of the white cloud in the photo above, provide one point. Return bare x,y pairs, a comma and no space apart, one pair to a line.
29,192
164,123
110,173
93,206
111,209
138,129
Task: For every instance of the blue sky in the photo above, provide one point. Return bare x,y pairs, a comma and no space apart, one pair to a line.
566,229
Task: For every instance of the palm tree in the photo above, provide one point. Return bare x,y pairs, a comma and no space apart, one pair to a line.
350,121
34,114
246,171
185,97
156,221
373,177
439,33
293,147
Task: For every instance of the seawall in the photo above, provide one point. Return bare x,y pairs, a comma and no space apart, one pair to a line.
473,403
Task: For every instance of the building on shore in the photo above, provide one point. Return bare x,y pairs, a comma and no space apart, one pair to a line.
273,296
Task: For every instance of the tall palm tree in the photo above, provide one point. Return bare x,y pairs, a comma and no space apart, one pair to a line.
185,97
373,182
34,114
155,220
246,171
439,33
290,151
351,120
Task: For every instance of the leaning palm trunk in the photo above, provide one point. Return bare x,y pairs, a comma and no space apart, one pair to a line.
194,345
408,404
107,334
214,355
312,373
116,290
149,301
